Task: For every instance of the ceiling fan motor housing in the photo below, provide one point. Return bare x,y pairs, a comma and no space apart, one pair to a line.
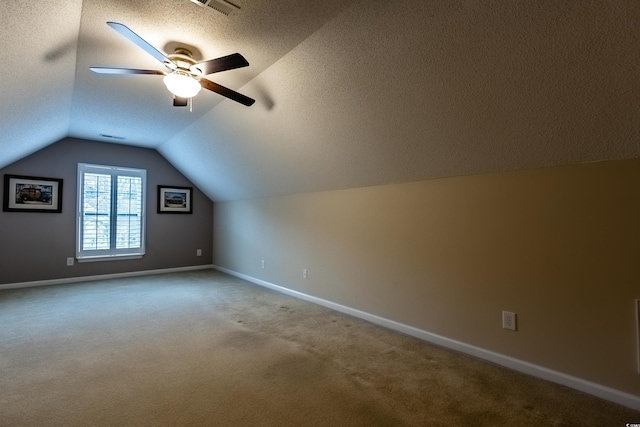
183,58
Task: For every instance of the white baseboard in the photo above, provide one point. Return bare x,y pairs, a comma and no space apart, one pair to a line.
601,391
103,277
638,332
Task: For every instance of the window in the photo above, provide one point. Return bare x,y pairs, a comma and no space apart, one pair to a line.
111,212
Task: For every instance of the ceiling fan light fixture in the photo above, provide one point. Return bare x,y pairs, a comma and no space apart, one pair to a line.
182,84
184,80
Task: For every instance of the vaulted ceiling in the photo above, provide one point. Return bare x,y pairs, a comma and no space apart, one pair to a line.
348,93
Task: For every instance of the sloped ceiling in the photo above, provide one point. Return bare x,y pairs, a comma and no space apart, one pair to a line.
349,92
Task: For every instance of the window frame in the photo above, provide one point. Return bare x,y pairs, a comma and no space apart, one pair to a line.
112,253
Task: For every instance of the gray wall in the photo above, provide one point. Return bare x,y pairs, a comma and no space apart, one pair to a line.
34,246
558,246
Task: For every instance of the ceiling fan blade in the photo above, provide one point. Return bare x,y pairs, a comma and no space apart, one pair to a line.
123,71
224,63
226,92
180,102
142,43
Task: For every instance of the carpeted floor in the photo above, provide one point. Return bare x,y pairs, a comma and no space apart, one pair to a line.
206,349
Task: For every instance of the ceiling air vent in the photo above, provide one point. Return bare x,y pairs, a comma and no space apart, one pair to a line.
104,135
222,6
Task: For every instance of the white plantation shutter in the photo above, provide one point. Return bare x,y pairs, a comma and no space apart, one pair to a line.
111,203
96,217
129,212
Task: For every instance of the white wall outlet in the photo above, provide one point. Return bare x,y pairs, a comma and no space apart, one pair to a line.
305,273
509,320
70,261
198,252
262,264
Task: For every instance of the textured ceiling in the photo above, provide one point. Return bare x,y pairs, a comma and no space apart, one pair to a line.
349,93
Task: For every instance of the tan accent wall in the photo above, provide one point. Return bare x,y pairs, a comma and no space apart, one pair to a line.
558,246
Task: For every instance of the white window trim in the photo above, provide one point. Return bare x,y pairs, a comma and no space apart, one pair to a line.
108,255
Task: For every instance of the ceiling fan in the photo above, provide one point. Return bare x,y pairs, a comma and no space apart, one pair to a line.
184,76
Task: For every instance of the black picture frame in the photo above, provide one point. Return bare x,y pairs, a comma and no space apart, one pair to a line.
175,200
32,194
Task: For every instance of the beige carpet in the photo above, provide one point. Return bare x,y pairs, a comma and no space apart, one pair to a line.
206,349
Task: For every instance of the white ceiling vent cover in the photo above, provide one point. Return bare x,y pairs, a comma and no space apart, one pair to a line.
222,6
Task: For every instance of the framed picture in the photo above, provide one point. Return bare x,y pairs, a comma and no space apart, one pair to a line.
32,194
174,199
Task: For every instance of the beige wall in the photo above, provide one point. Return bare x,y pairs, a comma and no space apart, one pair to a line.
558,246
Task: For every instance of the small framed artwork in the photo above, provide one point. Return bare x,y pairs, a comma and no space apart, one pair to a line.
32,194
174,199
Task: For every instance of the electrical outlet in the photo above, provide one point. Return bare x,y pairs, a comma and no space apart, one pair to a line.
263,264
305,273
509,320
70,261
198,252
